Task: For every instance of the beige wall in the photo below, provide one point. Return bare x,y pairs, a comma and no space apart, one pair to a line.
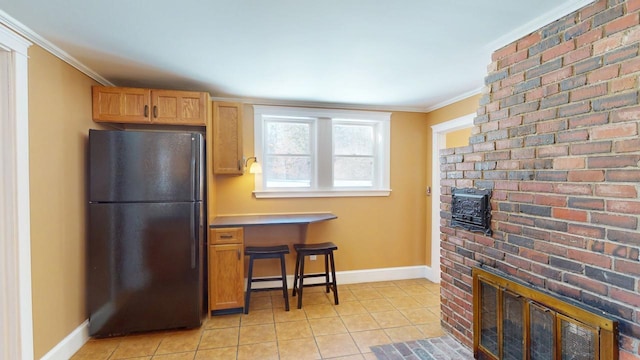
458,138
444,114
59,116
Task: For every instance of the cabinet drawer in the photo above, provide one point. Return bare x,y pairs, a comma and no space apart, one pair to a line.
226,235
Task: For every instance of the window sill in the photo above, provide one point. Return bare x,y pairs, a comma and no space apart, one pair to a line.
262,194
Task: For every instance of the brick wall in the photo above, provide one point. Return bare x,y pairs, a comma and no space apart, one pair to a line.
556,139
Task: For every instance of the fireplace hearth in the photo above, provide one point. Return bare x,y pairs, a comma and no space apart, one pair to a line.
513,320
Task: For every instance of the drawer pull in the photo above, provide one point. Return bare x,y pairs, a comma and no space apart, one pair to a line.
238,254
226,236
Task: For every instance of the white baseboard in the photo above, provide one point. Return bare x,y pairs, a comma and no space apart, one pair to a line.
70,344
78,337
363,276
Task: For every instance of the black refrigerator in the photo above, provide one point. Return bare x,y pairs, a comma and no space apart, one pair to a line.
146,231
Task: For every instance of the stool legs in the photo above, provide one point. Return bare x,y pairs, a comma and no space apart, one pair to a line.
285,291
329,275
247,296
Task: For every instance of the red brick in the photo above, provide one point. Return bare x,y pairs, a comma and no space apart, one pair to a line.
627,114
614,131
625,222
633,5
592,9
573,189
630,66
534,255
586,175
558,50
537,187
607,44
616,191
528,40
488,146
591,148
627,145
513,59
572,136
512,121
622,23
577,55
556,76
569,163
521,197
622,84
588,231
550,200
624,207
589,120
626,297
589,37
505,51
551,126
602,74
586,283
627,267
571,215
553,151
588,92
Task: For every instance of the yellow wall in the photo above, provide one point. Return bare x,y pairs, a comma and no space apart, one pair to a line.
59,117
371,232
458,138
444,114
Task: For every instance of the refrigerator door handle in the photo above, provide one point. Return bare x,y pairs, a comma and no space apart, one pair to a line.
195,236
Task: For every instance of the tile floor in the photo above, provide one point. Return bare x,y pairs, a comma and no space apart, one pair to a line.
369,314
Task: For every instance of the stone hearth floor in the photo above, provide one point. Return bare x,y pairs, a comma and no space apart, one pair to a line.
440,348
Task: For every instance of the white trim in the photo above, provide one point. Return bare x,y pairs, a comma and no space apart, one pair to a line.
454,99
16,235
364,276
439,141
565,8
70,344
266,194
18,27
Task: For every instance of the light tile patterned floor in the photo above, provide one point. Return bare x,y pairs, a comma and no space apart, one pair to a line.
369,314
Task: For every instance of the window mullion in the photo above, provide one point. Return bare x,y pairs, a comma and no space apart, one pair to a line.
324,153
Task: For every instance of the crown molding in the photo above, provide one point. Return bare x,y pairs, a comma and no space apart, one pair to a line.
27,33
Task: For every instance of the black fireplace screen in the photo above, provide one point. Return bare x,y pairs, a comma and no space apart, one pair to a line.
471,209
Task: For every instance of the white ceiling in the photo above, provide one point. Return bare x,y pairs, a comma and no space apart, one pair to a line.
413,55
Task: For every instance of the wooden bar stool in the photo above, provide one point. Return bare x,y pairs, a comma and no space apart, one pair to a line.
266,252
304,250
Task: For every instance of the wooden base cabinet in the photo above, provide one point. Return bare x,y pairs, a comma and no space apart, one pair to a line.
149,106
226,269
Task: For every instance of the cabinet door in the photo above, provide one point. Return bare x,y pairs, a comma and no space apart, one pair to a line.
227,138
122,105
226,276
179,107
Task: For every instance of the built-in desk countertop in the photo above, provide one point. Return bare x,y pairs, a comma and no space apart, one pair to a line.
269,219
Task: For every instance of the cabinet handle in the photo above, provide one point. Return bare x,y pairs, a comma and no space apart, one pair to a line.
226,236
155,111
146,111
240,165
238,254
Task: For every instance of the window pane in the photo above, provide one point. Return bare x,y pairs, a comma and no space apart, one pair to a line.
288,171
353,140
352,171
288,138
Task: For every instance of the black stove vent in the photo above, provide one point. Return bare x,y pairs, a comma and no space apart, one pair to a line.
471,209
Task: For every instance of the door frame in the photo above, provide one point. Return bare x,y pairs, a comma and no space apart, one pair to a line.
439,141
15,234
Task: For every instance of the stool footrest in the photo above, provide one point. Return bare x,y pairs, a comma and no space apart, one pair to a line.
266,279
266,289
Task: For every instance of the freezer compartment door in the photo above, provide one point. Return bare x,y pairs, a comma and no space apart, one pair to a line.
145,267
138,166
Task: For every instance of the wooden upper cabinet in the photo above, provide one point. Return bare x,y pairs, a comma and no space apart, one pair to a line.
118,104
179,107
149,106
227,138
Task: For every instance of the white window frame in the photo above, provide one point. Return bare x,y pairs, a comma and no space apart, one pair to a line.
323,118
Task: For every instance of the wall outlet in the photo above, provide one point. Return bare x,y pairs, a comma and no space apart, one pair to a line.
312,257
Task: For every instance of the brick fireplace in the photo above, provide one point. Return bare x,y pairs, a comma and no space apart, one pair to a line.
556,140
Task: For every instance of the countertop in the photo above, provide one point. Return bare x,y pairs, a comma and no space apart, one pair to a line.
270,219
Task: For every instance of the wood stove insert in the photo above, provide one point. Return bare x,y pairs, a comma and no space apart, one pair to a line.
471,209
